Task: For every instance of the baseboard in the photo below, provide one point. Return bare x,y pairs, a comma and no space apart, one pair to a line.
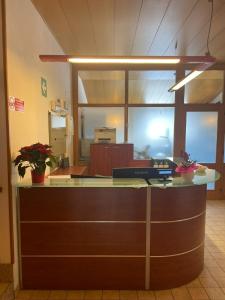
6,273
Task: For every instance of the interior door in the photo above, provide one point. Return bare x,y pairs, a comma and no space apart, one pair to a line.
202,142
58,134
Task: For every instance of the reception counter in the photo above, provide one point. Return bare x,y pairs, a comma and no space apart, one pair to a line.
112,233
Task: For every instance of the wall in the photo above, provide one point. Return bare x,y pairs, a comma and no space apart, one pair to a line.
27,37
5,256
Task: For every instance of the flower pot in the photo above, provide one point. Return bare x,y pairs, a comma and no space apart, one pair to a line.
187,176
37,177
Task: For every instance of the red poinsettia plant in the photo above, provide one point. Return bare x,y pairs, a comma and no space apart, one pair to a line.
36,157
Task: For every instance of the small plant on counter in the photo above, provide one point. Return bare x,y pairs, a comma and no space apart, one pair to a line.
186,165
36,157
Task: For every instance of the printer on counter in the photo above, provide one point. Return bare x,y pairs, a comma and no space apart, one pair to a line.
105,135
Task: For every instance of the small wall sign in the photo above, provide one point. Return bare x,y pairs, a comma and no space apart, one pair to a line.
11,103
44,87
16,104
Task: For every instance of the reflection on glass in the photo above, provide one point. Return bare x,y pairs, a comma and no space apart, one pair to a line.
101,87
206,88
151,131
211,186
151,86
201,136
97,117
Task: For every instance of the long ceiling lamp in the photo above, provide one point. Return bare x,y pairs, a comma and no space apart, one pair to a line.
207,61
202,62
111,59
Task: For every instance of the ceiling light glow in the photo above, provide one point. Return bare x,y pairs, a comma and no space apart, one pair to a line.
188,78
80,60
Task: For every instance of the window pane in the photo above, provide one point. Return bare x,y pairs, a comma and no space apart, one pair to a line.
93,117
101,87
151,131
201,136
151,86
211,186
206,88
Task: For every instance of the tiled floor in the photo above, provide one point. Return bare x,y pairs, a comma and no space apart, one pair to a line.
209,285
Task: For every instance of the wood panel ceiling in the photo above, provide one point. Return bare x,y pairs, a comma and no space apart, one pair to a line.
136,27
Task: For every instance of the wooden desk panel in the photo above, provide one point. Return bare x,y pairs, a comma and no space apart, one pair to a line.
168,272
79,204
83,273
104,237
180,202
83,238
177,237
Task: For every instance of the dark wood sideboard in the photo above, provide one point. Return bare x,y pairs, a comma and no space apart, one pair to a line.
105,157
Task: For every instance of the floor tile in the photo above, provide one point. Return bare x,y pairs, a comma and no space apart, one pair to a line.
111,295
164,295
75,295
40,295
128,295
195,283
208,282
220,281
198,293
93,295
181,293
23,294
215,293
57,295
146,295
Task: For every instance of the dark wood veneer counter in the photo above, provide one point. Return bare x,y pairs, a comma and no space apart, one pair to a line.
110,234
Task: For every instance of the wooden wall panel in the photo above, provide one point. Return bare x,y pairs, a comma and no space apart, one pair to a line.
83,238
83,273
64,204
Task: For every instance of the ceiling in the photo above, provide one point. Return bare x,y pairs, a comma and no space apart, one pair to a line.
136,27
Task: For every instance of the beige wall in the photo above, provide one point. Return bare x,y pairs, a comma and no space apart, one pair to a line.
27,37
5,256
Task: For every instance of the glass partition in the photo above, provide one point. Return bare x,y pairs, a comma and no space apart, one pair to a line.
206,88
101,87
151,87
151,130
98,117
201,136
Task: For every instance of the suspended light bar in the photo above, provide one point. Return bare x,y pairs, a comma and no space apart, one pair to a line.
95,60
201,63
188,78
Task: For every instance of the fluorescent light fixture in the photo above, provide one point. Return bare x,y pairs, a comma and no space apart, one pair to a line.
80,60
188,78
201,63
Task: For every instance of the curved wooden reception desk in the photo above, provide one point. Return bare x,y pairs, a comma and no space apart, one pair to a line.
112,233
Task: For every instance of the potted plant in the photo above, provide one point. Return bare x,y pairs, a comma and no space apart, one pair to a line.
36,157
186,167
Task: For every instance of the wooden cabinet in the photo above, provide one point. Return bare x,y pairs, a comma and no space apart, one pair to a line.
105,157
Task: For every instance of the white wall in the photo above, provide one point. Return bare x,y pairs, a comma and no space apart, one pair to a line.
27,37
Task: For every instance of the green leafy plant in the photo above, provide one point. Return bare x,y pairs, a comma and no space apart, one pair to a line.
36,157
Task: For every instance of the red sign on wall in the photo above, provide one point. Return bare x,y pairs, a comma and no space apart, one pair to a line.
16,104
19,105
